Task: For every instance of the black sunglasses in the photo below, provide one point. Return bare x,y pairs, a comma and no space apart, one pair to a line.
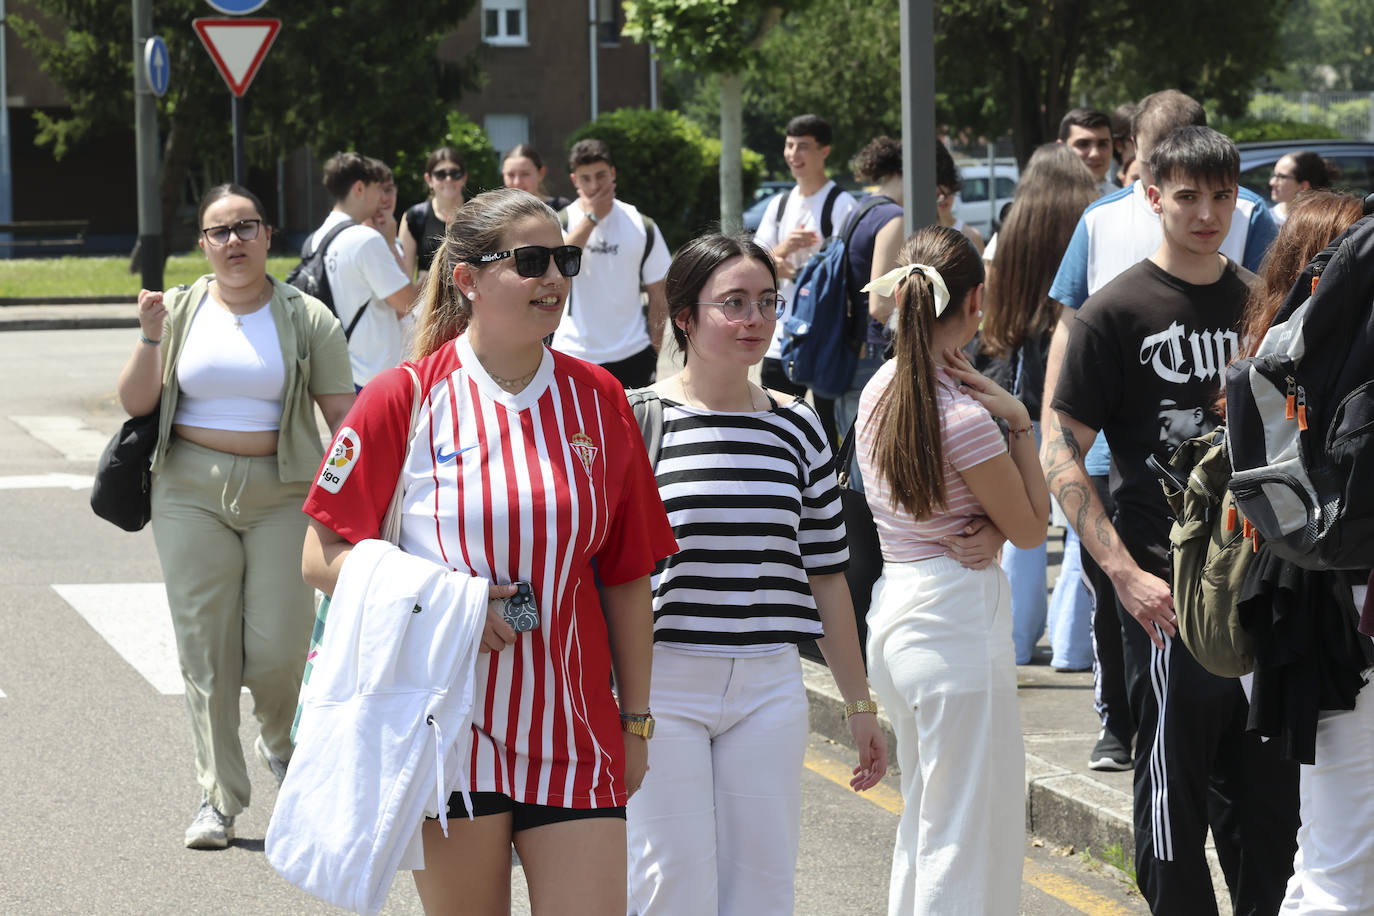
442,174
533,260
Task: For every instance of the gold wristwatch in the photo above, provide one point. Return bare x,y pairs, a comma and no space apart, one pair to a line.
638,724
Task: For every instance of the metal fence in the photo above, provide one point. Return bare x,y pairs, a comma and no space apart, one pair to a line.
1350,113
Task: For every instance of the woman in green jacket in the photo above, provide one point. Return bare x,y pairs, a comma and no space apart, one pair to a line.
235,365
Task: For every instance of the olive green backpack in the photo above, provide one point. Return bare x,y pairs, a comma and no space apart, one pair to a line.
1211,550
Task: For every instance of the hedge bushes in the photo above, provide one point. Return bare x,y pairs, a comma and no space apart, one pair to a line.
666,167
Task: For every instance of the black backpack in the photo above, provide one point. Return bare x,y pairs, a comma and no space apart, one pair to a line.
311,277
1300,414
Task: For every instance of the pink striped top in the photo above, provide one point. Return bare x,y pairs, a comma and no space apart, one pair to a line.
970,437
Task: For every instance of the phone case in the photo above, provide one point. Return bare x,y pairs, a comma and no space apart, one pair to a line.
520,610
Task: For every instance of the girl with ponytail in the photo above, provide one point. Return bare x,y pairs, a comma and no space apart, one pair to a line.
933,460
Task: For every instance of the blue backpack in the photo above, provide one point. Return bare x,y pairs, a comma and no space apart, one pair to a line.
820,345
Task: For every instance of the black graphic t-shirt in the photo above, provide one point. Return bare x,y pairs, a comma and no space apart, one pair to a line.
1145,362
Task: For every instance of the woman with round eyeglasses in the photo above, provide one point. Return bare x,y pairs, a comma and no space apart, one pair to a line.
1295,173
748,480
235,365
524,466
422,229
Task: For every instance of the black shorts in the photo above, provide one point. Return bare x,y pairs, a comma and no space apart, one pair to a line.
524,816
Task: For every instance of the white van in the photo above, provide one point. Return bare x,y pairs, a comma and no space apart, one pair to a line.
972,203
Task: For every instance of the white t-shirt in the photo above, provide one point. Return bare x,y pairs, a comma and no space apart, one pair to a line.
798,211
603,321
362,270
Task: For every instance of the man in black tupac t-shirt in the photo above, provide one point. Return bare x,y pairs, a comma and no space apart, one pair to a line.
1145,361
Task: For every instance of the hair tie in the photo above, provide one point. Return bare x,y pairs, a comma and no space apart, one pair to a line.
887,284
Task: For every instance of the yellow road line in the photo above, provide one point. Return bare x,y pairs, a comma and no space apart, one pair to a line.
1081,898
881,795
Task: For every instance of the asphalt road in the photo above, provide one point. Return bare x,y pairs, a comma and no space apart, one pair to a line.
96,782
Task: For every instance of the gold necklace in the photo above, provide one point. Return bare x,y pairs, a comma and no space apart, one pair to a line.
513,385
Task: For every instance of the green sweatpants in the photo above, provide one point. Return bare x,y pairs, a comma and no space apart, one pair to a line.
229,536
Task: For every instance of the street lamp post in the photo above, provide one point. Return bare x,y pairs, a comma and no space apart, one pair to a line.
918,113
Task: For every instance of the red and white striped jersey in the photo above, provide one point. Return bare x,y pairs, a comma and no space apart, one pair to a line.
531,486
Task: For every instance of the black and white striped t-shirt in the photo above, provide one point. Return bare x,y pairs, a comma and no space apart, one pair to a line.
755,508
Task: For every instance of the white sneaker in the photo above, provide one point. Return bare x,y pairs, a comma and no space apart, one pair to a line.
210,829
270,760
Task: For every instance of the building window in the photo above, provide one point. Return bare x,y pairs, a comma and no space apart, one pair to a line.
506,130
503,22
608,22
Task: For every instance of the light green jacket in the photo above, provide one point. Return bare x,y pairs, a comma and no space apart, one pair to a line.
315,354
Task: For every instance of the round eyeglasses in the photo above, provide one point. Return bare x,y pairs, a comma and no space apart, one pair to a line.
738,308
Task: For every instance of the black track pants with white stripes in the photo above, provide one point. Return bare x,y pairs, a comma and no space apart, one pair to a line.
1195,766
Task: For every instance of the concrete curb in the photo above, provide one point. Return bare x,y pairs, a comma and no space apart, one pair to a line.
68,317
68,300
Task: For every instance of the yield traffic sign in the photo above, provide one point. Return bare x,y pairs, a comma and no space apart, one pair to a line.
237,46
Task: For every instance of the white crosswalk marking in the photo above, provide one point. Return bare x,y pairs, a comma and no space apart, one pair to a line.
133,618
46,481
70,436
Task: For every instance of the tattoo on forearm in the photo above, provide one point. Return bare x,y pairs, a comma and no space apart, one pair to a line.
1068,482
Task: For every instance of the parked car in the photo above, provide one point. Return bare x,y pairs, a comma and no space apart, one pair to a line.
972,203
753,211
1355,159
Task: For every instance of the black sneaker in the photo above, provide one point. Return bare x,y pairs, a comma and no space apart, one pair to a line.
1109,753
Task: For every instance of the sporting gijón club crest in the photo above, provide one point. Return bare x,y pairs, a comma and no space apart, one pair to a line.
586,451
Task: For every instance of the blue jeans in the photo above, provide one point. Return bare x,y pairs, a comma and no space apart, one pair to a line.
847,408
1025,571
1071,611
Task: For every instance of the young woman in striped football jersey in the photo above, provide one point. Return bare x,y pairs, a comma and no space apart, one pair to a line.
939,644
748,479
525,465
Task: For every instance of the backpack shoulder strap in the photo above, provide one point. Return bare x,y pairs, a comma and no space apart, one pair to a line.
648,410
329,238
827,209
391,522
782,205
649,230
869,202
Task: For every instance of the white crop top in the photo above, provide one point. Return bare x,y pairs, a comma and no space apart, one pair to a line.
231,377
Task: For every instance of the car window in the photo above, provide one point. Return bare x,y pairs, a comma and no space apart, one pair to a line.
1354,173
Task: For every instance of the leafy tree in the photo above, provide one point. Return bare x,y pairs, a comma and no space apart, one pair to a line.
338,77
1327,44
1000,64
712,36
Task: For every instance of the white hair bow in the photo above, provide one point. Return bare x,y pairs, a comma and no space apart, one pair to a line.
887,284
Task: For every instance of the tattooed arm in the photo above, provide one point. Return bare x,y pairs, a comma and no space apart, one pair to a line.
1146,597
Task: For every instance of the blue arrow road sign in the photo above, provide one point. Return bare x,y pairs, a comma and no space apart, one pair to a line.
237,7
156,64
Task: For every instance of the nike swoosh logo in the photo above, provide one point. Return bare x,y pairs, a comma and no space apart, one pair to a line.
445,459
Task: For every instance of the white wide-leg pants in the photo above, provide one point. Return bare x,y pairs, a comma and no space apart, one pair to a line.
716,825
940,659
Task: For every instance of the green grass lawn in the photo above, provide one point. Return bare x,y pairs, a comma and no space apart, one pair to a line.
88,276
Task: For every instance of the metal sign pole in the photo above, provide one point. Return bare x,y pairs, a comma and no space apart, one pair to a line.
146,154
240,173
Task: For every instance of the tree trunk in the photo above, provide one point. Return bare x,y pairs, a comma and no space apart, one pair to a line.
731,161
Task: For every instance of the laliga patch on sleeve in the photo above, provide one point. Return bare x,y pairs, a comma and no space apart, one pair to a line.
343,456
